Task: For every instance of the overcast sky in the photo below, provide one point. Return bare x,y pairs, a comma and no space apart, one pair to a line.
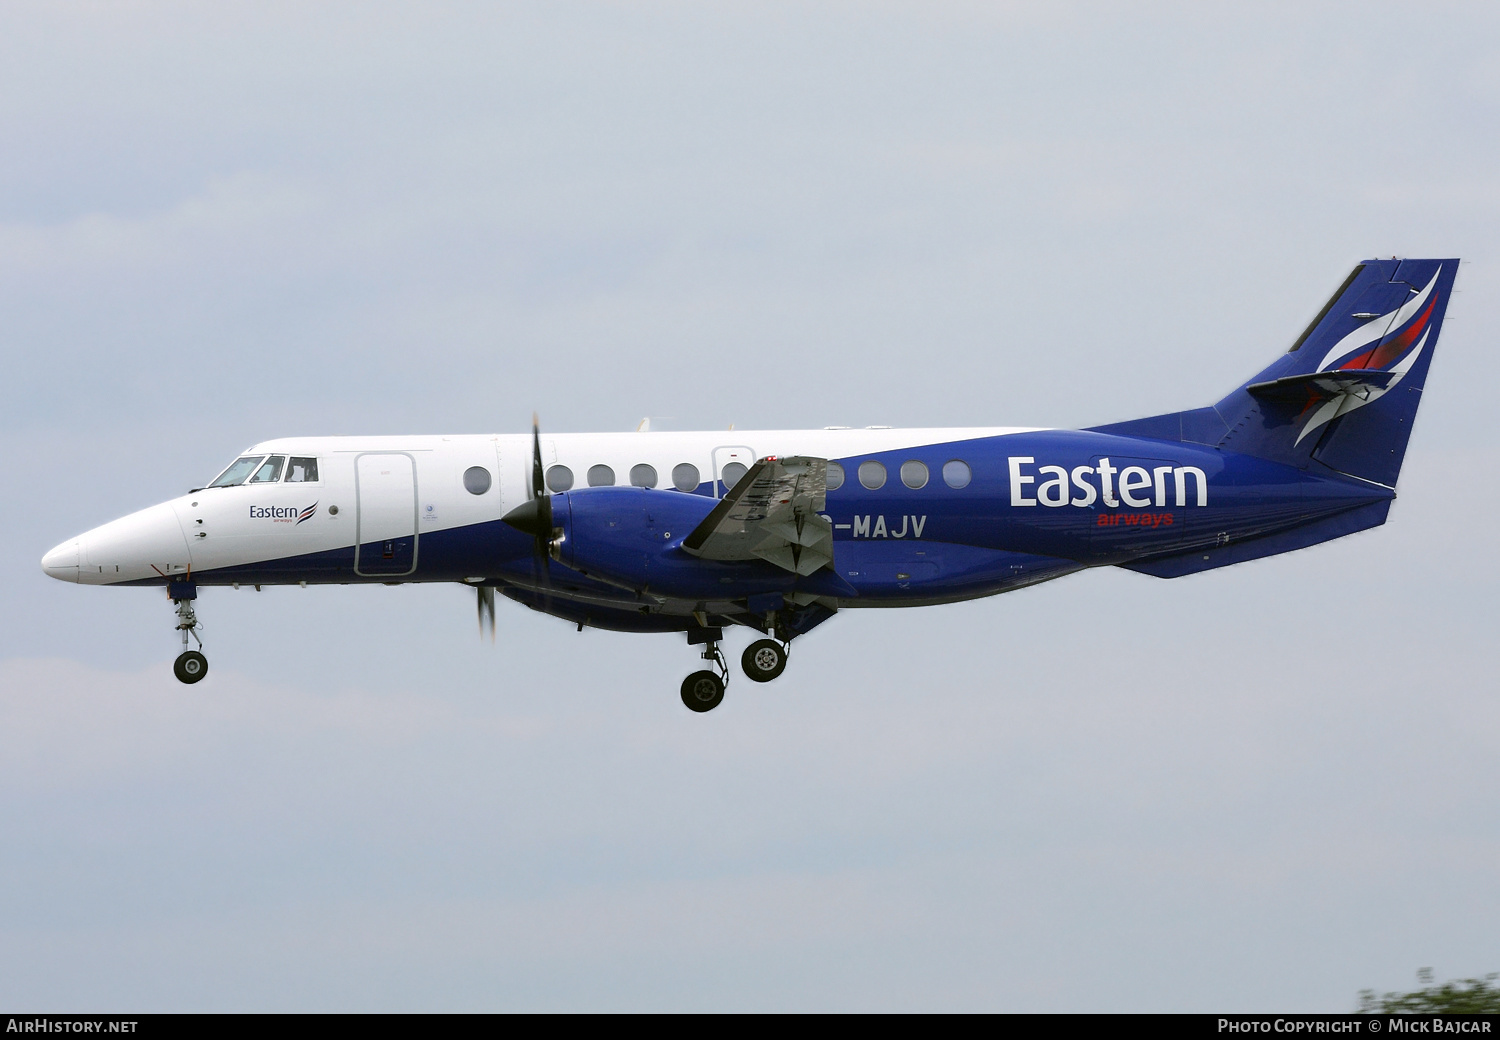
1262,788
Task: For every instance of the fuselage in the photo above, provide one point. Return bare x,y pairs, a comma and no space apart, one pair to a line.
919,516
779,530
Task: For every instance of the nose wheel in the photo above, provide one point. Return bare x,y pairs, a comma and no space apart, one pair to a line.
190,666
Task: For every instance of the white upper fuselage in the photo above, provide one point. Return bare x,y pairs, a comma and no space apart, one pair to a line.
223,528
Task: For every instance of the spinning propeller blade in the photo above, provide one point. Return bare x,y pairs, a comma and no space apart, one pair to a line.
534,516
486,606
538,478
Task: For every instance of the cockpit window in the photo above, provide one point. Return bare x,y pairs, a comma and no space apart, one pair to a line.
237,472
302,470
269,471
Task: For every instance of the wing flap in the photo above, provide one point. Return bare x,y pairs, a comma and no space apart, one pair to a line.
772,514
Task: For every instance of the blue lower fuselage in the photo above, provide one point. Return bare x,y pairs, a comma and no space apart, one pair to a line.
1031,506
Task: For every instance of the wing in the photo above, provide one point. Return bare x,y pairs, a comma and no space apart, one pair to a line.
771,514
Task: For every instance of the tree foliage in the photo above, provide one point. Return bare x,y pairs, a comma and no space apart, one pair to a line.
1460,997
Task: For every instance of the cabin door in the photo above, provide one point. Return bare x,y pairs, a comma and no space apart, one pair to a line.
386,517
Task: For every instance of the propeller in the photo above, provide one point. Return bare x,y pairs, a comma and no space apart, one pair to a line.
534,516
486,604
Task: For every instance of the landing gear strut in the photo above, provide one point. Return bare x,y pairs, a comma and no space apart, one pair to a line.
190,665
702,691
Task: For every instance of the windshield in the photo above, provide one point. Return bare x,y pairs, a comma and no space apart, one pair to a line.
269,471
237,472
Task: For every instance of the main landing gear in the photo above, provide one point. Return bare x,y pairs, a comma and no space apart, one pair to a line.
763,660
702,691
191,665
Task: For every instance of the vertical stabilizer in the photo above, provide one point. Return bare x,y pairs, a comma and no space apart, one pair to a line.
1345,396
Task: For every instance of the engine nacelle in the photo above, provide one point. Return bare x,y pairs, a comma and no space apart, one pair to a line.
633,537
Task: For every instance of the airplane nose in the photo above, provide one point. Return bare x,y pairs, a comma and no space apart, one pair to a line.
62,562
147,545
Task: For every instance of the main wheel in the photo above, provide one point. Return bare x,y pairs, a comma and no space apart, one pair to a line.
764,660
190,666
702,691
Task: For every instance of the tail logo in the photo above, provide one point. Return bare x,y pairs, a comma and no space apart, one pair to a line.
1367,348
1352,348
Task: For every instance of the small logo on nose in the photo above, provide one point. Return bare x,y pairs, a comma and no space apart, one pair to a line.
283,514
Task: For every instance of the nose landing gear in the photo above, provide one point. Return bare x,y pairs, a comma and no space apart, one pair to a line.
191,665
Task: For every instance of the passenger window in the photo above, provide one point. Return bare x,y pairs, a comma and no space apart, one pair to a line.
269,471
601,476
302,471
914,474
559,479
872,474
732,473
956,474
685,476
238,470
835,476
476,480
642,475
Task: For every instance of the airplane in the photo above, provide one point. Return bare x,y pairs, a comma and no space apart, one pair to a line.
776,531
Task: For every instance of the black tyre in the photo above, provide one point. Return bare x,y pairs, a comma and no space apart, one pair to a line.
190,666
764,660
702,691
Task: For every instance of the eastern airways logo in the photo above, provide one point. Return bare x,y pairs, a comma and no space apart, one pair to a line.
284,514
1138,487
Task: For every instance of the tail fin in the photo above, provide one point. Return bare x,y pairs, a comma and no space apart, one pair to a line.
1344,396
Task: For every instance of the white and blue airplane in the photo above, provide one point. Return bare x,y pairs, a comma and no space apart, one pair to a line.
778,530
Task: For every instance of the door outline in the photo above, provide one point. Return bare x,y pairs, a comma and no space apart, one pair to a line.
731,453
359,514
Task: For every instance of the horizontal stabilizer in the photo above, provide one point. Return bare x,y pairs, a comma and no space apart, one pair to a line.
1322,385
